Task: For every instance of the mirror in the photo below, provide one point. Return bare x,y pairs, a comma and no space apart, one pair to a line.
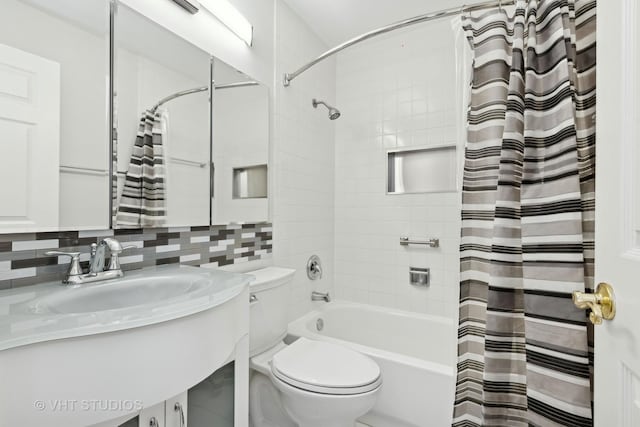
162,125
56,152
177,112
54,74
240,147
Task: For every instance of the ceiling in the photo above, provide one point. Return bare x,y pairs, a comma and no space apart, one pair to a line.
336,21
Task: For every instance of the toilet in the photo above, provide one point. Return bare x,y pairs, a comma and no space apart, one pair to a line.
307,383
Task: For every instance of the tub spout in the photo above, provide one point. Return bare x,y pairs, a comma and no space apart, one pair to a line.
320,296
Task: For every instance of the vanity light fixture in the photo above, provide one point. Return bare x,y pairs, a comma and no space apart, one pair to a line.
226,13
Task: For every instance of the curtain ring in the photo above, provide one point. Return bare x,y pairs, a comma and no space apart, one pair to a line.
500,6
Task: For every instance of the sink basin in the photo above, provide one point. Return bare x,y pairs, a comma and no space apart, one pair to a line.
144,297
123,293
107,349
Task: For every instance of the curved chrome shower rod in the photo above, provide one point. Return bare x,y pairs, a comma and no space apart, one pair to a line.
288,77
202,89
178,95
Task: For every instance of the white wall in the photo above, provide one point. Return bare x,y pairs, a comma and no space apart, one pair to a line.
395,91
303,160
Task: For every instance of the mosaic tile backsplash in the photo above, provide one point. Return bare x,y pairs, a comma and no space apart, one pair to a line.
23,261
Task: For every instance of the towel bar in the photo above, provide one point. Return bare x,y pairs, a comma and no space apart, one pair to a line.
434,243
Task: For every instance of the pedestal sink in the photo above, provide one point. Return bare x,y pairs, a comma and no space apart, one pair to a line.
77,356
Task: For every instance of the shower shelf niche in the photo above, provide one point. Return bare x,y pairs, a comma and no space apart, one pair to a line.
430,169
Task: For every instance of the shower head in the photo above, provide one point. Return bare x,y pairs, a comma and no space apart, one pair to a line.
334,113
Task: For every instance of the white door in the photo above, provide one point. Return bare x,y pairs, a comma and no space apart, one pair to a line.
29,141
617,342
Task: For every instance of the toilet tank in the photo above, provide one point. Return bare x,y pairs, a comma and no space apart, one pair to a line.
268,313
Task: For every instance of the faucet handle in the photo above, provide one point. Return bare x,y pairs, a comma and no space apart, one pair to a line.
114,261
113,244
74,264
314,268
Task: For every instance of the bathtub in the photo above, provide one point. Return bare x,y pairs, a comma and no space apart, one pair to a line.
416,354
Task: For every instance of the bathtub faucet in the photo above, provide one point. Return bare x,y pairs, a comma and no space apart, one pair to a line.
320,296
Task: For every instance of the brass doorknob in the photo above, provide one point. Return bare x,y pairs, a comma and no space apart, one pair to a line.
602,303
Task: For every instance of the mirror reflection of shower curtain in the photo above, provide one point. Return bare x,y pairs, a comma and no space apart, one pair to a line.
143,199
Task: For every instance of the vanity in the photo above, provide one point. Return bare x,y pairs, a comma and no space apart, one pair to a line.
81,355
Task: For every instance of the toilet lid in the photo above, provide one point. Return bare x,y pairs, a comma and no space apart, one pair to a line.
323,367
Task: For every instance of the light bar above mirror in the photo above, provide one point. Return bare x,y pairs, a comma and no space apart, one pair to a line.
226,13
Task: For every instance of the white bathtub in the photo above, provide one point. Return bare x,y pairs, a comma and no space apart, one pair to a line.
416,354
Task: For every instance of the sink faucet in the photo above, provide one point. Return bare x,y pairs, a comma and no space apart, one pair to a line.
115,248
97,272
96,262
320,296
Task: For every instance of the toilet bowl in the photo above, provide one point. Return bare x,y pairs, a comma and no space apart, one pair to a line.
307,383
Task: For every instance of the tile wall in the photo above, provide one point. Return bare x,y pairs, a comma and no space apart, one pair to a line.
303,159
23,261
396,91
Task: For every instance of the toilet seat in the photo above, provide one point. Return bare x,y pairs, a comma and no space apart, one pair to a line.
326,368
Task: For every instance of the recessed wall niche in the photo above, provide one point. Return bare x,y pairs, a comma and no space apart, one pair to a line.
423,170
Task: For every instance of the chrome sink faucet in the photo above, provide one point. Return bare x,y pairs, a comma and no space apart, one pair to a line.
96,262
97,272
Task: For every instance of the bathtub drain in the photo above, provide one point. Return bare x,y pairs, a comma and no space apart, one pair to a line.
319,324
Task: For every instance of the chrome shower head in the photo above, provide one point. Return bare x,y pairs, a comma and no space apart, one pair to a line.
334,113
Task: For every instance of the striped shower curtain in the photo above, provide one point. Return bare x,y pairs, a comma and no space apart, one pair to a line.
525,354
142,203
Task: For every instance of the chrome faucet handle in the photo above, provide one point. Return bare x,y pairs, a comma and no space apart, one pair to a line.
314,268
113,244
74,264
115,249
114,261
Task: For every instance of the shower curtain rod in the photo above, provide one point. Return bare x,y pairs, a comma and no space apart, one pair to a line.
288,77
201,89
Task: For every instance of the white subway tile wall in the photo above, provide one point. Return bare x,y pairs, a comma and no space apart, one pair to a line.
395,91
303,160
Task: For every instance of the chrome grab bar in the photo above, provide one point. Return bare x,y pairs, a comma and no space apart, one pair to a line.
434,243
